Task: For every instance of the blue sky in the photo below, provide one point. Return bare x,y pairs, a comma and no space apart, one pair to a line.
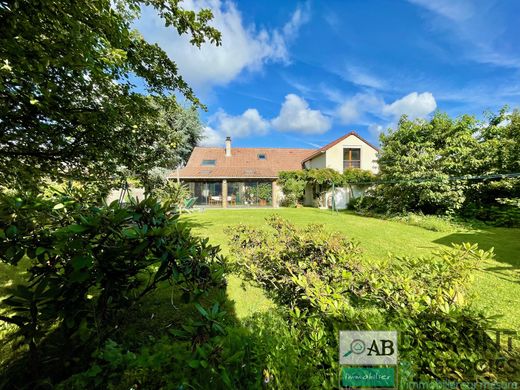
301,74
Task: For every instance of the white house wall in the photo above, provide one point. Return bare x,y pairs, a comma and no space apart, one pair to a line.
319,161
343,195
334,155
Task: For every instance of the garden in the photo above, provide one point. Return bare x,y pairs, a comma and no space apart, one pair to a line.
140,294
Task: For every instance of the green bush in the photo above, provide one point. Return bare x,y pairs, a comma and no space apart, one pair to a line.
429,222
88,265
273,259
323,287
205,352
293,185
504,212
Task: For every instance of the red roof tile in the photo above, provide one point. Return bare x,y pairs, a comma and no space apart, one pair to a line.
243,163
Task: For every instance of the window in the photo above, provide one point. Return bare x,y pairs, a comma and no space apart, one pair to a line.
262,156
209,163
351,158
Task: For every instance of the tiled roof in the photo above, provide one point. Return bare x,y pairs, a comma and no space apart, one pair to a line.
335,142
243,163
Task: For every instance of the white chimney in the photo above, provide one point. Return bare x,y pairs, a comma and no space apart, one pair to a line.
228,146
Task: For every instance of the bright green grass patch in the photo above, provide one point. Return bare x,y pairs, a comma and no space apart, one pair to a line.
496,288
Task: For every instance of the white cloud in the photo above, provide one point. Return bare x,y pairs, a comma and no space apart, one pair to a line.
454,10
222,125
371,110
211,137
249,123
296,115
353,109
299,18
356,108
482,29
413,105
243,46
361,77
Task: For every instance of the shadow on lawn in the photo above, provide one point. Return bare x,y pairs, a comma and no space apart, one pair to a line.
504,241
193,222
11,275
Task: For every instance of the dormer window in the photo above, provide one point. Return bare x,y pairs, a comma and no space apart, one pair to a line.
262,156
208,163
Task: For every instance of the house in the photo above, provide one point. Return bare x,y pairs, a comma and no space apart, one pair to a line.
229,177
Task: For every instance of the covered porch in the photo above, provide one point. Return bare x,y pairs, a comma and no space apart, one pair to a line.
233,192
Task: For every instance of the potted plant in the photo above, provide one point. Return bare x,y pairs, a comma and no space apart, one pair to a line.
265,194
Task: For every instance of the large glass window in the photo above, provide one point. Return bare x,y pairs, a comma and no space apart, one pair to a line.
351,158
249,193
207,193
240,193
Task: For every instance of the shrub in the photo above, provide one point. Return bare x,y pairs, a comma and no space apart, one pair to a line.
293,186
205,352
324,287
274,259
429,222
88,265
505,212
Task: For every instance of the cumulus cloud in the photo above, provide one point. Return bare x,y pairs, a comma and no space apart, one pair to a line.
355,108
363,107
415,105
296,115
249,123
211,137
222,125
243,46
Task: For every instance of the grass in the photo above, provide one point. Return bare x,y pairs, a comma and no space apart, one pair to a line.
496,288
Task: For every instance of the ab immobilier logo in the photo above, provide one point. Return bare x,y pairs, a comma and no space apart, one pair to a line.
368,359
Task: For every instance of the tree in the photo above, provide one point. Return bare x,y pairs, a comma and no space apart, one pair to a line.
68,100
168,141
445,164
418,158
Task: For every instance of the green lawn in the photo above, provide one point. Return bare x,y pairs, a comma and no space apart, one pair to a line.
496,288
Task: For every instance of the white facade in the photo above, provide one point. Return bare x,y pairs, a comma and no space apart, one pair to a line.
333,157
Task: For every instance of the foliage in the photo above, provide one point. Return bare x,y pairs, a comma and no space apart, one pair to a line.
173,193
279,256
417,159
206,352
321,180
293,186
358,176
88,265
505,213
423,164
434,223
69,106
265,191
174,131
324,291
